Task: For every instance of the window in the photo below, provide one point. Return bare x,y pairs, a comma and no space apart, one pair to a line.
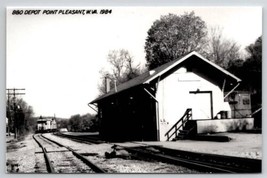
246,101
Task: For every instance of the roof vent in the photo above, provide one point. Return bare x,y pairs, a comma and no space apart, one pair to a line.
151,72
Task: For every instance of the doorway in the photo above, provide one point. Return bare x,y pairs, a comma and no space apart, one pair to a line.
202,106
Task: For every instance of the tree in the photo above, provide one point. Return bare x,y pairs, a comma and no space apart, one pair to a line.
174,36
20,116
62,123
253,70
254,61
27,109
86,122
75,122
78,123
122,69
250,70
220,50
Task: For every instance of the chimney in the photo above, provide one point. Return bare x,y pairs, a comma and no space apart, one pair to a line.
115,85
107,84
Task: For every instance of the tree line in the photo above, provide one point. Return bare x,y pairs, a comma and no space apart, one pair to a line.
19,117
79,123
21,120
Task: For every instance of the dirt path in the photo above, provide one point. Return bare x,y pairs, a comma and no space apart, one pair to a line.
20,155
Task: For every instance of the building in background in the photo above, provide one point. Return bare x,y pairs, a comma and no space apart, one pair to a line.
46,124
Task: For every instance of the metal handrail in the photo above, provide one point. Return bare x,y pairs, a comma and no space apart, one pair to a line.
187,115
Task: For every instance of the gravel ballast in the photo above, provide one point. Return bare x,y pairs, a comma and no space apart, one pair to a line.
119,165
25,156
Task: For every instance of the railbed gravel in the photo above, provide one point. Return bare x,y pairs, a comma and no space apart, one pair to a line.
21,154
27,156
66,163
63,160
118,165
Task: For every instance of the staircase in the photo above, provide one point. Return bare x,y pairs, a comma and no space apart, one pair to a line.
183,128
188,131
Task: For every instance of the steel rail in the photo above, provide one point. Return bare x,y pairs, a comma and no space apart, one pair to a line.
85,139
189,159
79,156
178,161
236,164
50,168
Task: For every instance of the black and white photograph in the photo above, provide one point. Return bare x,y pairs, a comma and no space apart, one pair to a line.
134,90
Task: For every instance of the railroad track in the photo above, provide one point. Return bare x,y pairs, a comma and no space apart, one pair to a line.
231,163
203,162
63,159
199,161
82,138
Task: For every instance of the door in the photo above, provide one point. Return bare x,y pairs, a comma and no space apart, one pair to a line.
201,105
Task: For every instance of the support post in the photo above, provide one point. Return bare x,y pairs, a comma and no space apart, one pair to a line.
157,114
231,90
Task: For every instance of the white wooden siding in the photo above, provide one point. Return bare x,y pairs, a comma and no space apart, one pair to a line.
174,98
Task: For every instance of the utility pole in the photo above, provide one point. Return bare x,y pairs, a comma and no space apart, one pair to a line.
13,92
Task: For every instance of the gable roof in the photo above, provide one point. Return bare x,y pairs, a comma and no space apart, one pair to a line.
147,77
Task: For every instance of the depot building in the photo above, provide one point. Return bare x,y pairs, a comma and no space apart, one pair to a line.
185,94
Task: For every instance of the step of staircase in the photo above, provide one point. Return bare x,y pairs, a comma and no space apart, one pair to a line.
182,134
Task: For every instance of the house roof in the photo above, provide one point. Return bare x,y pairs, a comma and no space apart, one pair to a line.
148,76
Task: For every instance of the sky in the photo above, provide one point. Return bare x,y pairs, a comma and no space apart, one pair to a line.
57,57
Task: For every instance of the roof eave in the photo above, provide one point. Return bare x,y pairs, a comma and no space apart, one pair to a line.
238,80
169,67
151,78
111,94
